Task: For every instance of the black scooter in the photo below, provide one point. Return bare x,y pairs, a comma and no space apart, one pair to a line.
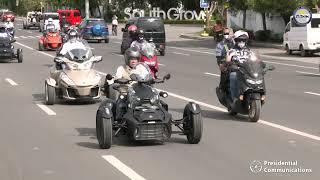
251,88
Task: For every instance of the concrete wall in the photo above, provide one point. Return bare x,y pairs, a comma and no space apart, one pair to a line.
274,23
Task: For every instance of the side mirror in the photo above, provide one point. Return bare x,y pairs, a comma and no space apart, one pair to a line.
163,94
58,59
98,58
109,77
167,77
13,40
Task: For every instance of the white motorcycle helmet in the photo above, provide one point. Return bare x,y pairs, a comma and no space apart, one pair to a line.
241,38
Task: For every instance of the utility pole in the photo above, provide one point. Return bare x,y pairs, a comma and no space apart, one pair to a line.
87,9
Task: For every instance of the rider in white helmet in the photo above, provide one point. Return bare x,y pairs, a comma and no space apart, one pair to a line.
239,53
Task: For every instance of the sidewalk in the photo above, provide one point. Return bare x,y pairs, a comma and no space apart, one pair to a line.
252,43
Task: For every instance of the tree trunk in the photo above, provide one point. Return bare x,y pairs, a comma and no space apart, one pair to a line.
264,21
244,19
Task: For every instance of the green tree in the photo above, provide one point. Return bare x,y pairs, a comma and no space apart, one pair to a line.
240,5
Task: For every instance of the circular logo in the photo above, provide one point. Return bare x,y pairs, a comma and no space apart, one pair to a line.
255,166
302,16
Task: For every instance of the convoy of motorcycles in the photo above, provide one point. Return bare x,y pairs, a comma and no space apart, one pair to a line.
136,107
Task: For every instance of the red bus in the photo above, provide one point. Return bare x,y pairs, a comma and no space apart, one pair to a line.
72,16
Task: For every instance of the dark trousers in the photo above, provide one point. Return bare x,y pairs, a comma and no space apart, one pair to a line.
224,80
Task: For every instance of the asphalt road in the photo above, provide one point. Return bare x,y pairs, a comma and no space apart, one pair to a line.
58,142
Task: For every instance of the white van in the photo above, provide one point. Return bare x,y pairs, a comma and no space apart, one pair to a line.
305,39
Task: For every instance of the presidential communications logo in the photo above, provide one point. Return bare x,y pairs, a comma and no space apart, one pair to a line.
277,167
255,166
302,16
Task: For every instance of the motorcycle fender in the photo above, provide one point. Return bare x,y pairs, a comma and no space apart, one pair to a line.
107,108
193,107
51,82
255,96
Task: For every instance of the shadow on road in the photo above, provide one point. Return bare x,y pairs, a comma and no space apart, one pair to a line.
217,115
193,43
123,140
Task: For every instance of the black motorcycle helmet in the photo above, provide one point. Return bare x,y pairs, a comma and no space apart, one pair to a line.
131,53
3,28
72,34
141,35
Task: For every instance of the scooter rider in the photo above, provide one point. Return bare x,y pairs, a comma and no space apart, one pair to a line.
221,52
240,53
140,41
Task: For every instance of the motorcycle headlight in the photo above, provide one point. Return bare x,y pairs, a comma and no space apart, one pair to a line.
66,79
250,81
155,99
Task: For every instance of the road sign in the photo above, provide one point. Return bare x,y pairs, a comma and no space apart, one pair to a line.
204,4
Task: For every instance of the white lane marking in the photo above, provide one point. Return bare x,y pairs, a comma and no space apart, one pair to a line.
46,54
312,93
181,53
29,32
46,109
102,73
116,42
217,75
16,37
30,37
38,36
117,54
123,168
191,50
290,130
302,72
292,65
198,102
161,64
10,81
23,37
20,29
25,46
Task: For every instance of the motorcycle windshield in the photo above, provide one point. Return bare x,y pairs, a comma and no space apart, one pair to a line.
143,73
148,50
253,67
79,54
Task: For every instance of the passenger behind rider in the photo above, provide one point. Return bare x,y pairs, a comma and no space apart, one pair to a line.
140,41
132,30
221,52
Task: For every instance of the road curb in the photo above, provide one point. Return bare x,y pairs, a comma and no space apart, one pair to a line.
252,43
185,36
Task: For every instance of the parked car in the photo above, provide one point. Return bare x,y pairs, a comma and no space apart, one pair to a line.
94,29
153,29
305,39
